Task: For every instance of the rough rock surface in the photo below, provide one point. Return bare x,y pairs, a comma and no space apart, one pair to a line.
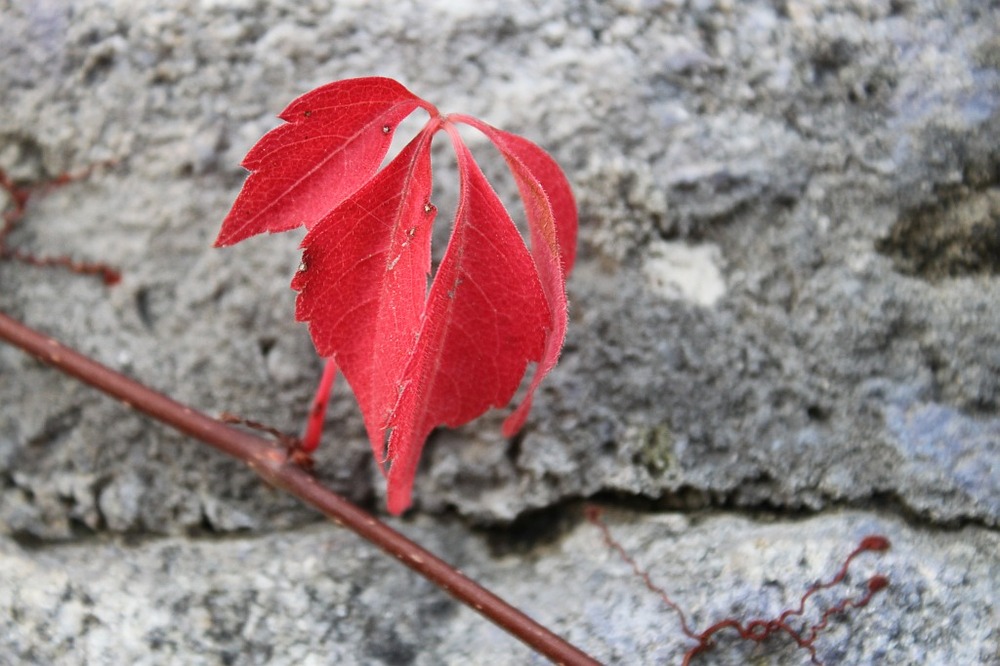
786,300
317,596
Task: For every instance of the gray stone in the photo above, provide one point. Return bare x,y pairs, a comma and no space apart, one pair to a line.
785,299
318,595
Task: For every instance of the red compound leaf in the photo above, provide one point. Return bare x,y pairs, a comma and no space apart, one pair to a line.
416,358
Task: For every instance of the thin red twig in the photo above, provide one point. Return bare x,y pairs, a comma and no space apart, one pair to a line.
19,196
758,630
275,468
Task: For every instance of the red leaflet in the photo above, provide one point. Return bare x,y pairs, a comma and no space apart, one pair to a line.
336,137
363,282
416,359
484,320
547,198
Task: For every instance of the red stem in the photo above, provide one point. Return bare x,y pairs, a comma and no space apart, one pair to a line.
273,466
19,199
317,413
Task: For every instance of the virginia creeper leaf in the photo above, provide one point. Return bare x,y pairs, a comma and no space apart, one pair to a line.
535,169
485,320
334,139
363,281
552,223
416,358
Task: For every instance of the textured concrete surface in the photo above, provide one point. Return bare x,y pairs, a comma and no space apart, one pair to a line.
786,301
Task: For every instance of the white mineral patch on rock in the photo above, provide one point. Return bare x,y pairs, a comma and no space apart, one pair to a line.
688,272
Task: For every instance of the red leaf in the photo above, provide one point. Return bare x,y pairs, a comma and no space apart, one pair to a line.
335,138
416,359
552,221
364,281
485,320
535,169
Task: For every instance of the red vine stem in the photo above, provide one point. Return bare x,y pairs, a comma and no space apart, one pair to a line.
274,468
19,199
759,630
